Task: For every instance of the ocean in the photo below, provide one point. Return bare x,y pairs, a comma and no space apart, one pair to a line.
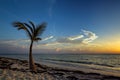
109,63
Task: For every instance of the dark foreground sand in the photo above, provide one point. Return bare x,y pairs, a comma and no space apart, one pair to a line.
15,69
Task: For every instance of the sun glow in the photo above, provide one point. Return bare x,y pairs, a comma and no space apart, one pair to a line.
115,47
110,47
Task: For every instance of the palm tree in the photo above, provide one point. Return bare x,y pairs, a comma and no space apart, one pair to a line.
33,33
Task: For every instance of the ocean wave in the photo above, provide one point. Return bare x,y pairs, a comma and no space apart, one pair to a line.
81,62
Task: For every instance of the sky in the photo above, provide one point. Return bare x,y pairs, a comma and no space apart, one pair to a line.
73,26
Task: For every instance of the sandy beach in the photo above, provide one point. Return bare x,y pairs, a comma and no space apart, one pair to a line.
15,69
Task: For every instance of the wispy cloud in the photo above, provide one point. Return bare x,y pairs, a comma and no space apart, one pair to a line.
86,38
90,36
76,37
50,10
47,38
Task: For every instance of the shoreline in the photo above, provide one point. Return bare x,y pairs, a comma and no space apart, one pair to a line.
20,69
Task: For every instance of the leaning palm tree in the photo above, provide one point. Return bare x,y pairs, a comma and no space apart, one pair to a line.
33,33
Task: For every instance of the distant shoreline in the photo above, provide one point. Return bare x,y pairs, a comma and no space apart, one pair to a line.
19,69
62,53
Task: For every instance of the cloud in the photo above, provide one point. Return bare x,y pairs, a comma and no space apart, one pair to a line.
9,47
50,9
90,36
87,37
47,38
59,44
23,43
76,37
58,49
68,41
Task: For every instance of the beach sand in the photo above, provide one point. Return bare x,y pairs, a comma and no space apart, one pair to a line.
15,69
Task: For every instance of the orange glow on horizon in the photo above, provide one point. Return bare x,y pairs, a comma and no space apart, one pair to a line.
109,47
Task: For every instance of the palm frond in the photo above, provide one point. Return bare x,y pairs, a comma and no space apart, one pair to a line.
39,29
37,39
20,26
32,31
33,26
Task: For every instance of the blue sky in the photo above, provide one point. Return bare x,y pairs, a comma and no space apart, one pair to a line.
77,26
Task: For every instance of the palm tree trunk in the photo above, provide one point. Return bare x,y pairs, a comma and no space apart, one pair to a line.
31,61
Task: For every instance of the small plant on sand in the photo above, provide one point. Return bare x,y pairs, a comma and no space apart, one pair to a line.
33,33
